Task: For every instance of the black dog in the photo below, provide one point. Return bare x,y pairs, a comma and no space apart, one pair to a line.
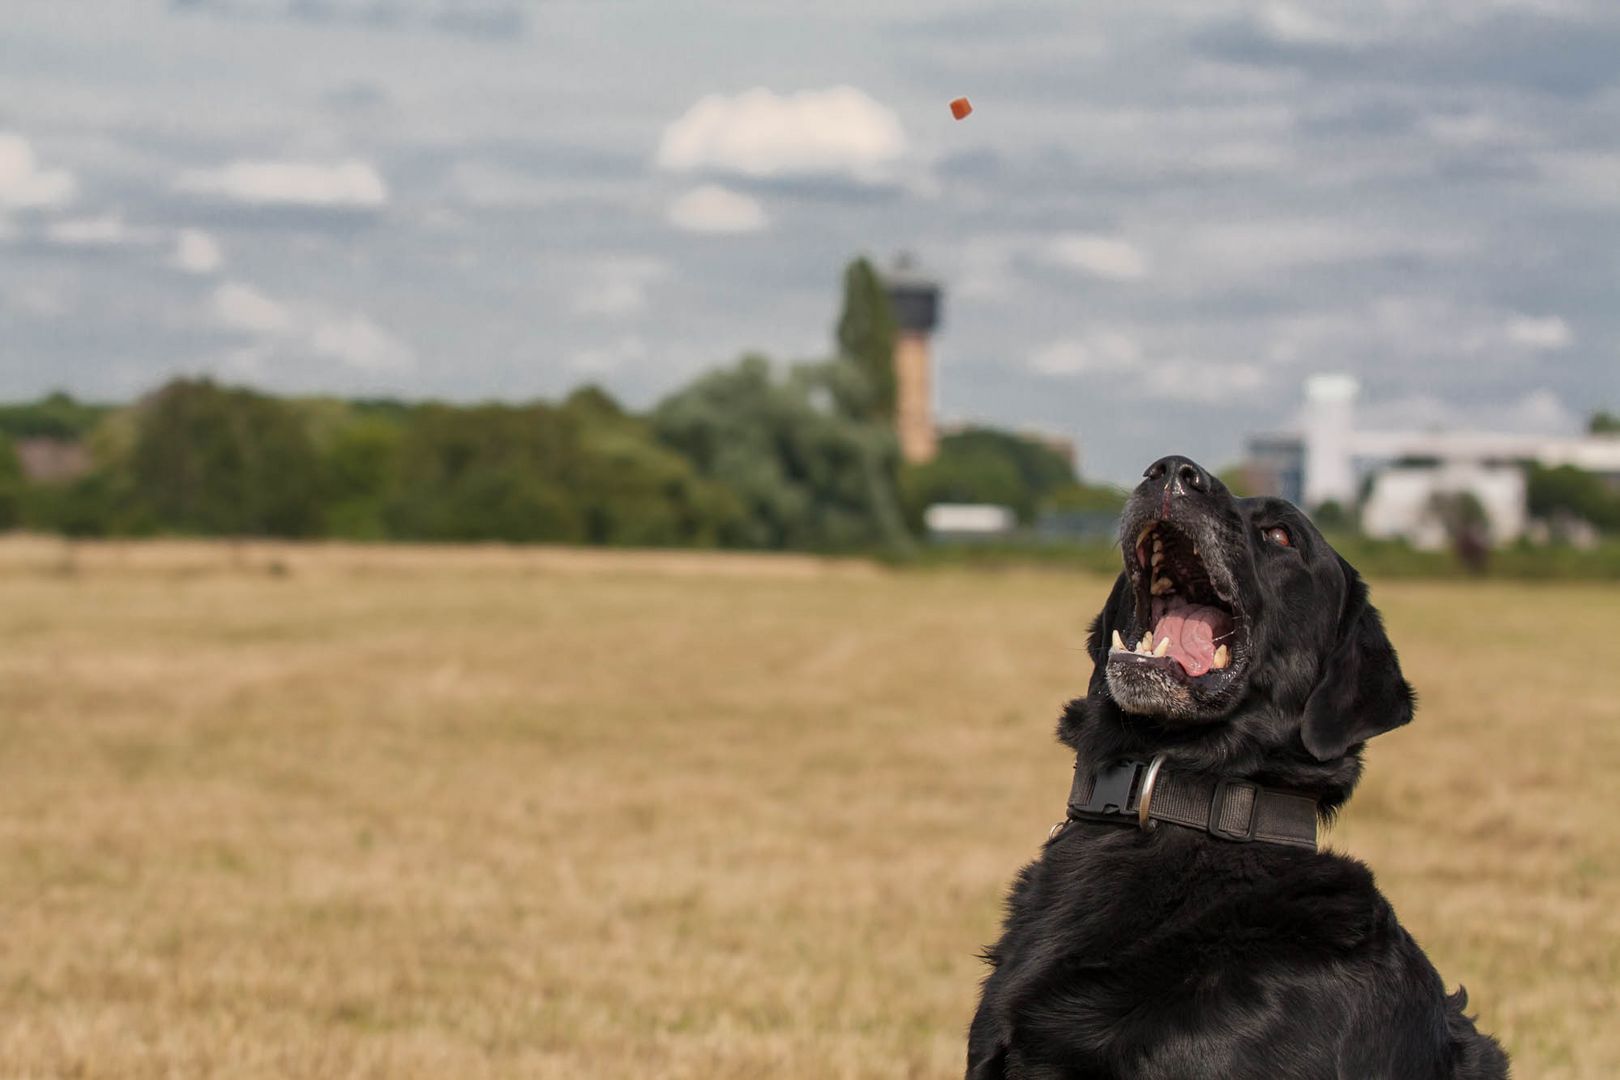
1181,923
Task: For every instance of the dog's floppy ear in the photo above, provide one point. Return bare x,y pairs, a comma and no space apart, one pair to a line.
1361,692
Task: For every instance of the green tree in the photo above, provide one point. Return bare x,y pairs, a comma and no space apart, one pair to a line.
984,465
56,416
806,473
359,463
635,491
1604,422
97,504
1237,480
1332,517
1100,498
1568,490
221,461
492,472
11,486
866,336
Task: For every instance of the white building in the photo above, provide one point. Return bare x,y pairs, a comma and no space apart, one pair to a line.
968,521
1397,476
1330,432
1405,502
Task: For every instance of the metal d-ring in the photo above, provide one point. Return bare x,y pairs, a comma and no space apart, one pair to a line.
1145,800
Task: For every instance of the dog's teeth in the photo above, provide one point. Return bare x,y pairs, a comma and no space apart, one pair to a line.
1143,535
1158,557
1146,644
1162,585
1222,657
1164,647
1119,642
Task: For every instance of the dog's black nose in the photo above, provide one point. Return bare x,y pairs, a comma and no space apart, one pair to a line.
1180,473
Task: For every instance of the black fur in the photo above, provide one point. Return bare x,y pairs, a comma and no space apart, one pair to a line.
1171,955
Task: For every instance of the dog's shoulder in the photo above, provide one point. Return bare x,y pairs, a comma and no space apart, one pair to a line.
1118,950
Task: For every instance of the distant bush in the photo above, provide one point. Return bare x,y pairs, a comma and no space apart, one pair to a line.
226,462
1568,490
11,486
1085,497
983,465
805,473
56,416
359,462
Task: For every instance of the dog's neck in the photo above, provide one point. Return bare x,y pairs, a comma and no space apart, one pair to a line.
1100,733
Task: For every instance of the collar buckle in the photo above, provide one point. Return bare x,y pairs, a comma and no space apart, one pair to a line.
1243,799
1124,790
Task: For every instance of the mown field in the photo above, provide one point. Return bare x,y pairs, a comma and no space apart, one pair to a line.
350,812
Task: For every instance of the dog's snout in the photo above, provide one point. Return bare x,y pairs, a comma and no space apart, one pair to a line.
1179,474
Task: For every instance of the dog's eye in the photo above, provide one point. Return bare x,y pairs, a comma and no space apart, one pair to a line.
1278,535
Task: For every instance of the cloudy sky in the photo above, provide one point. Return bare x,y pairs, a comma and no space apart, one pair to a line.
1158,220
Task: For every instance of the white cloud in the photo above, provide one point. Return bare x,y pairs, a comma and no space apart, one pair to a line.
714,209
351,184
1297,26
242,307
1586,178
351,338
617,284
1139,373
1200,379
1100,351
45,301
487,185
1544,333
26,186
839,131
609,358
1536,412
1099,256
105,230
1541,410
1266,246
196,252
357,342
1477,343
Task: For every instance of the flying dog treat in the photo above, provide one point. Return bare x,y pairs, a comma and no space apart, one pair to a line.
960,107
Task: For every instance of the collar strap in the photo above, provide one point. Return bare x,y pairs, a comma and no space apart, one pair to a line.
1143,793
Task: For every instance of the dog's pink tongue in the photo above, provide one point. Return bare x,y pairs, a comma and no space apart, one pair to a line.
1192,630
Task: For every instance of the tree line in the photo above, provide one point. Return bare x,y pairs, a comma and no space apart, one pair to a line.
753,455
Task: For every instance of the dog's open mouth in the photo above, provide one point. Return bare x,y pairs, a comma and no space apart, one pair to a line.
1189,629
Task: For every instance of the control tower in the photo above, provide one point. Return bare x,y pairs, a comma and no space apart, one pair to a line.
1330,421
914,299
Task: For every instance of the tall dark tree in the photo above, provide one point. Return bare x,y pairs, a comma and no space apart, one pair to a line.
1604,422
866,335
222,461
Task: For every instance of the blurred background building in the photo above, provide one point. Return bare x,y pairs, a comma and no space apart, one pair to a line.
915,299
1408,484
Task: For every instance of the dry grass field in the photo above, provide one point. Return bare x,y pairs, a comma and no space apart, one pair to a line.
350,812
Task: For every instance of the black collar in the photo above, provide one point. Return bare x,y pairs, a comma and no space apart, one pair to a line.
1143,793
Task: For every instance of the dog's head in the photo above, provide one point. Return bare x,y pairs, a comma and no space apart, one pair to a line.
1234,620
